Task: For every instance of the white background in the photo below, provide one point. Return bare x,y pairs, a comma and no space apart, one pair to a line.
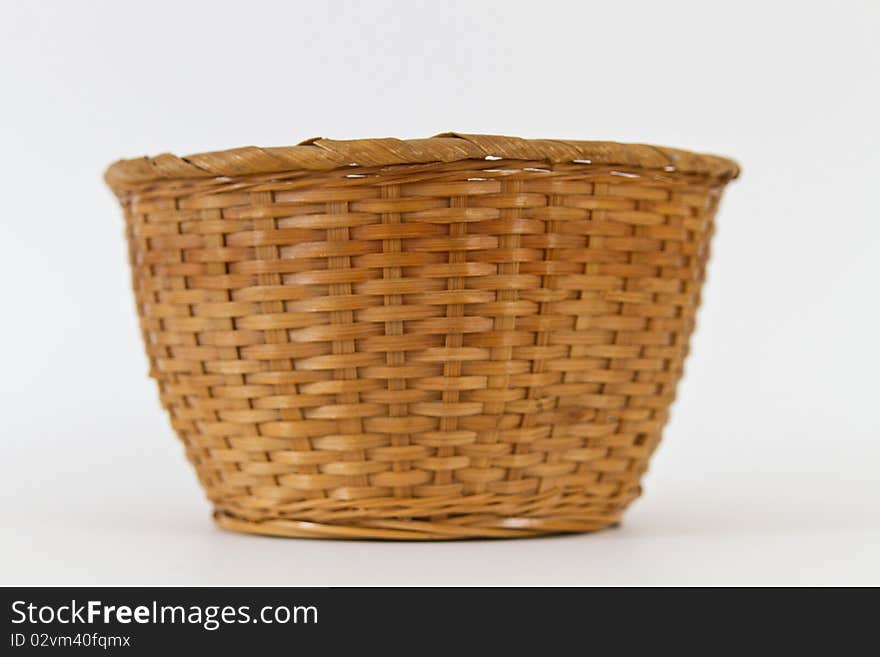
768,471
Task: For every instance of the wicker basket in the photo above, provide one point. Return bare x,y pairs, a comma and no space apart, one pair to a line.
462,336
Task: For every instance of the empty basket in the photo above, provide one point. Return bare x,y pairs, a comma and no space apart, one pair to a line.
462,336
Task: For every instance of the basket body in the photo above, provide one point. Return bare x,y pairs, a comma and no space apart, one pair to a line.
477,347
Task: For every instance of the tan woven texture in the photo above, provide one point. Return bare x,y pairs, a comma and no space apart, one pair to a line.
462,336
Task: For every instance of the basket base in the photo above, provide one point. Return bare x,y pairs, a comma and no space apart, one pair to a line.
462,527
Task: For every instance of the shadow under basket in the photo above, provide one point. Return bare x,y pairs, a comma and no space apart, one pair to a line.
456,337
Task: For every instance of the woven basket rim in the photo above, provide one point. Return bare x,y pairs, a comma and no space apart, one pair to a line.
318,154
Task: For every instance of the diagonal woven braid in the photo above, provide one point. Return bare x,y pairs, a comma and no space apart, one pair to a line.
463,336
323,154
